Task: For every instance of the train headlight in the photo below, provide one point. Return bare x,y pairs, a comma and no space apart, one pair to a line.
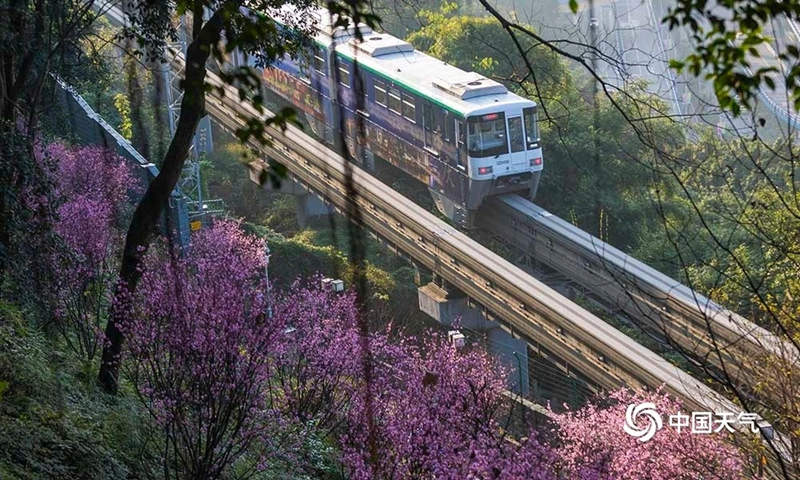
484,170
535,162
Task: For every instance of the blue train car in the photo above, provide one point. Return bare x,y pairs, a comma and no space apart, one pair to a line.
464,135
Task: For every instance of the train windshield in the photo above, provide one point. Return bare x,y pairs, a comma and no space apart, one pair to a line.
531,128
487,135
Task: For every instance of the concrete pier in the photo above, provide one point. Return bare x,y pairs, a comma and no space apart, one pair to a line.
448,306
308,205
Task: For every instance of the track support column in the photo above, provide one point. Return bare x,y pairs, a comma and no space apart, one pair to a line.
449,307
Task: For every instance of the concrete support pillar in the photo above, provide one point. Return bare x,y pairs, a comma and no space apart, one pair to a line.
513,353
417,273
449,306
309,206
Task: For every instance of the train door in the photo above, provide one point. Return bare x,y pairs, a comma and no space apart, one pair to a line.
516,138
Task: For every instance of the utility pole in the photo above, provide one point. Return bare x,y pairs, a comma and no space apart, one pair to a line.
266,278
598,210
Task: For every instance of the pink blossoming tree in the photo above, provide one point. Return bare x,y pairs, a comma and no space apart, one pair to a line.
91,190
200,345
235,389
439,413
593,445
318,369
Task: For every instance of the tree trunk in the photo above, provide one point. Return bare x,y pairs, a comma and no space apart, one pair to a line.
151,206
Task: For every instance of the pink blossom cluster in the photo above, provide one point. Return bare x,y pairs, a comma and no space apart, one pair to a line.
200,346
427,411
92,171
436,413
91,188
593,446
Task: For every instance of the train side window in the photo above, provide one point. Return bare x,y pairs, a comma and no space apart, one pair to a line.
395,104
380,92
319,61
302,67
448,127
433,118
344,75
409,107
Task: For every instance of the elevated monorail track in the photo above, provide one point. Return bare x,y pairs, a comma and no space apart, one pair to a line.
691,322
688,321
527,307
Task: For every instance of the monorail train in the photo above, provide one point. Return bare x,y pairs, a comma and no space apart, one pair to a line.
464,135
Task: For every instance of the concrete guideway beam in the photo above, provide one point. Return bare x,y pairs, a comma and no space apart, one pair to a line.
532,310
655,301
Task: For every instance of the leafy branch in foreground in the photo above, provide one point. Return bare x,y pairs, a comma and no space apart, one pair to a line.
728,38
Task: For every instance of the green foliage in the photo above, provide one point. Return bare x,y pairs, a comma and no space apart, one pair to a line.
3,387
123,106
597,171
303,256
727,39
390,280
481,44
402,18
53,422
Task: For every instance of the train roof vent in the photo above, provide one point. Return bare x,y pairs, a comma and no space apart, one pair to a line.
379,44
470,85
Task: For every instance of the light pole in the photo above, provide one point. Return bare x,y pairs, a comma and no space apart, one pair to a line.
266,277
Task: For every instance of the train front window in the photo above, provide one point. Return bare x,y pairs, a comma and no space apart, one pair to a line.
515,134
487,135
531,128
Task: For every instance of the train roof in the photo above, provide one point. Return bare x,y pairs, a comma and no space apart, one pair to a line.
465,93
